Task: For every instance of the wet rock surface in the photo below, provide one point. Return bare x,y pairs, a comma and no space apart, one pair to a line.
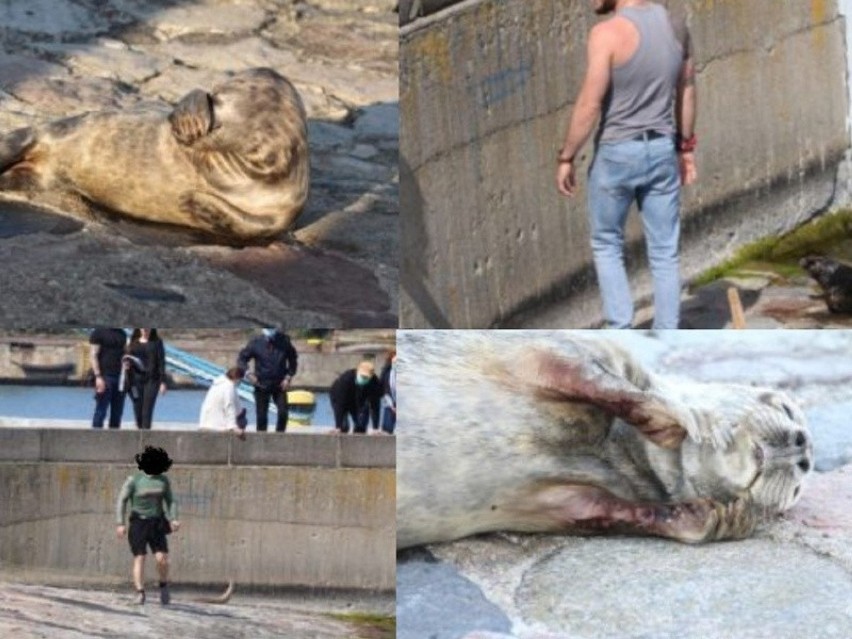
50,612
338,267
792,579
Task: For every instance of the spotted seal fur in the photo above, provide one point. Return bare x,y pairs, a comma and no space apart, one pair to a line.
501,430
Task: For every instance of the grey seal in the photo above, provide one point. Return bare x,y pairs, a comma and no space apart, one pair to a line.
512,431
232,163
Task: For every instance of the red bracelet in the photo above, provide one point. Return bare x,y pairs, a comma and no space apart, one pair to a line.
687,145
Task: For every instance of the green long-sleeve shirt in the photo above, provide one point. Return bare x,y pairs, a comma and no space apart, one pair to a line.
146,494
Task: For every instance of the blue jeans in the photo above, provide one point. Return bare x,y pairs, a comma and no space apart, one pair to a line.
647,172
388,419
111,399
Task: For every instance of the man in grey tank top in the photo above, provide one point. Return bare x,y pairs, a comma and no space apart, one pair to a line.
639,85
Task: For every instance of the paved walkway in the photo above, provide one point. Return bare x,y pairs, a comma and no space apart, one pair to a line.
29,611
339,266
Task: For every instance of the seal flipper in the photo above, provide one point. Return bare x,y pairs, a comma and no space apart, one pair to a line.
15,173
192,117
216,216
582,508
585,379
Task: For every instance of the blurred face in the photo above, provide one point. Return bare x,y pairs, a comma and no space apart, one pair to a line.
602,7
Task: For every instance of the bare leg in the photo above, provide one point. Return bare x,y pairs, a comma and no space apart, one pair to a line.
163,570
139,572
162,566
585,509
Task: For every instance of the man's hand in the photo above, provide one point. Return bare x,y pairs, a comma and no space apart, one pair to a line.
175,525
163,388
120,531
566,180
285,384
688,170
100,385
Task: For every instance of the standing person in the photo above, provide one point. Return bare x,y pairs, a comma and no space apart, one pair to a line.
145,364
356,393
147,492
388,380
275,363
107,349
221,409
640,84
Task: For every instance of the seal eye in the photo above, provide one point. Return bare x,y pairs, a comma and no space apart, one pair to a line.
800,439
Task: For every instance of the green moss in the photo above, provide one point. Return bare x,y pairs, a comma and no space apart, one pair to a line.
369,626
780,255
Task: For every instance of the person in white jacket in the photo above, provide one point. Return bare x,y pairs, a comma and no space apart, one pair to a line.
221,409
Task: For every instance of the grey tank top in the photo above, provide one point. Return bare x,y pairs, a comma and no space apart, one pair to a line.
641,93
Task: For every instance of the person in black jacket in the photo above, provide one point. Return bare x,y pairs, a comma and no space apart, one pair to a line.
105,356
145,364
275,363
356,393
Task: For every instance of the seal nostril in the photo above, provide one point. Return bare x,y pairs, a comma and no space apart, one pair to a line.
804,465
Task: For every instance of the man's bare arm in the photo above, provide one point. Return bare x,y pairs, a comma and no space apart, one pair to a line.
686,106
587,108
686,101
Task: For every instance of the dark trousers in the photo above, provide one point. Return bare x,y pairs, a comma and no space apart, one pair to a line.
144,397
360,419
112,400
261,402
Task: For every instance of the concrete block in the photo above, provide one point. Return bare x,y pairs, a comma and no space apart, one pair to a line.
20,444
287,449
190,447
89,445
373,451
265,525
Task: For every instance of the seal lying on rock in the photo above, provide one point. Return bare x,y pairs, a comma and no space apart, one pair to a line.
834,278
232,163
510,431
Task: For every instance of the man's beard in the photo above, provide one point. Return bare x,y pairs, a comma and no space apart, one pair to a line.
607,7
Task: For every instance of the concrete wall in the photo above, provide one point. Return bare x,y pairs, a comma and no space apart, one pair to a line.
312,511
486,90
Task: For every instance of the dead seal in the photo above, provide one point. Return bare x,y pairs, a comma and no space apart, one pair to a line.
510,431
835,280
232,163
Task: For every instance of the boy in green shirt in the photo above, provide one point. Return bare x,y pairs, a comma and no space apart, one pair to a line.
147,492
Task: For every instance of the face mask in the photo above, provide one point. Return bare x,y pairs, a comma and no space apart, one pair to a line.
361,380
269,333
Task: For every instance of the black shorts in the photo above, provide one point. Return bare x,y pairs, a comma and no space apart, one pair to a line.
147,532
